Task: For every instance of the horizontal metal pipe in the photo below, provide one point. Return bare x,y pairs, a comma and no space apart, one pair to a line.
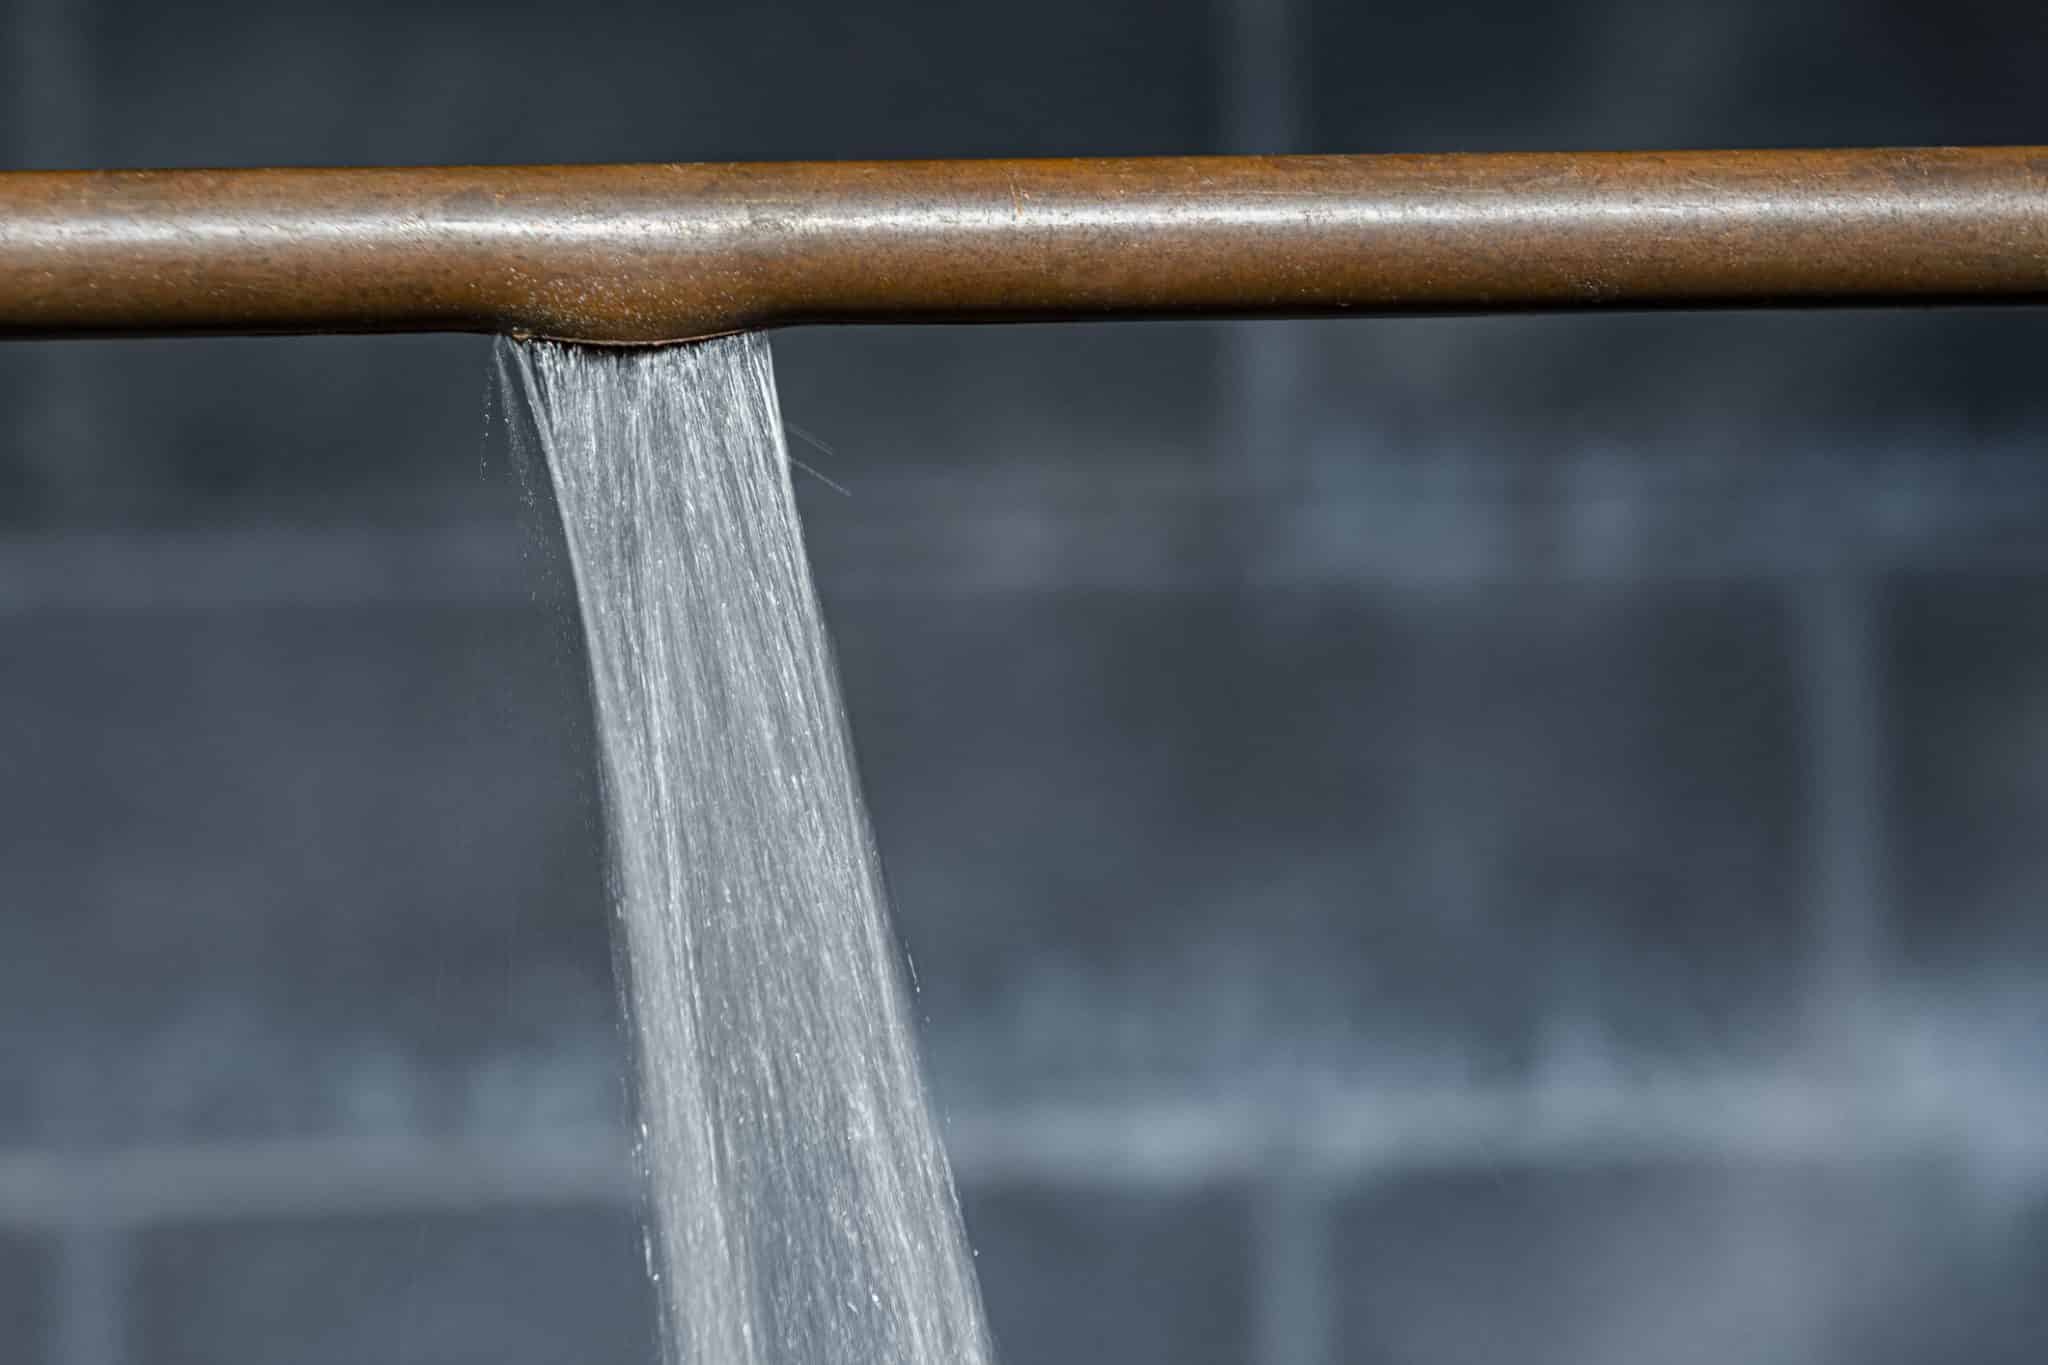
636,254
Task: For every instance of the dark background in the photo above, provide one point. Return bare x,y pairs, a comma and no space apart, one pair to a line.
1422,841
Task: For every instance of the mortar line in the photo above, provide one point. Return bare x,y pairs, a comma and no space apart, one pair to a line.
1261,74
92,1295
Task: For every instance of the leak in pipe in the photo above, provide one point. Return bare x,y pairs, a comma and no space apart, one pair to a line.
654,253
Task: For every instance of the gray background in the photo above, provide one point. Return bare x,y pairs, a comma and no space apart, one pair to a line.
1426,841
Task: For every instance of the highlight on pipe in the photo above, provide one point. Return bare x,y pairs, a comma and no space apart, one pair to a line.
650,254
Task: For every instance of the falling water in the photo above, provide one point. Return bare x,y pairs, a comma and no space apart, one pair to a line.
802,1209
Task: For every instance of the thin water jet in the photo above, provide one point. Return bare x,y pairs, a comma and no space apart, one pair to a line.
801,1207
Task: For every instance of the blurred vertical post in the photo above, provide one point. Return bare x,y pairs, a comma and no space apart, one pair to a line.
1261,50
1262,79
1843,665
1293,1315
90,1319
49,127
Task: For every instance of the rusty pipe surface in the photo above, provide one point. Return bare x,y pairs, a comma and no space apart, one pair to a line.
639,254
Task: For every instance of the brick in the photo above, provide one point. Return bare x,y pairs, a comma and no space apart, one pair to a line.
1968,655
1203,839
25,1288
506,1288
1689,1263
264,860
1078,1277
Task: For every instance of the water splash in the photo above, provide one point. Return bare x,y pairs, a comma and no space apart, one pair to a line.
802,1208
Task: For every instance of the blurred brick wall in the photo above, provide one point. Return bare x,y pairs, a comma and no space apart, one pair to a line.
1420,841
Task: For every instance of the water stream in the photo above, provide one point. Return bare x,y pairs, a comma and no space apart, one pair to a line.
801,1208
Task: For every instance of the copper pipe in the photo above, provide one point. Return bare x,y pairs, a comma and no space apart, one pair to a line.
657,253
